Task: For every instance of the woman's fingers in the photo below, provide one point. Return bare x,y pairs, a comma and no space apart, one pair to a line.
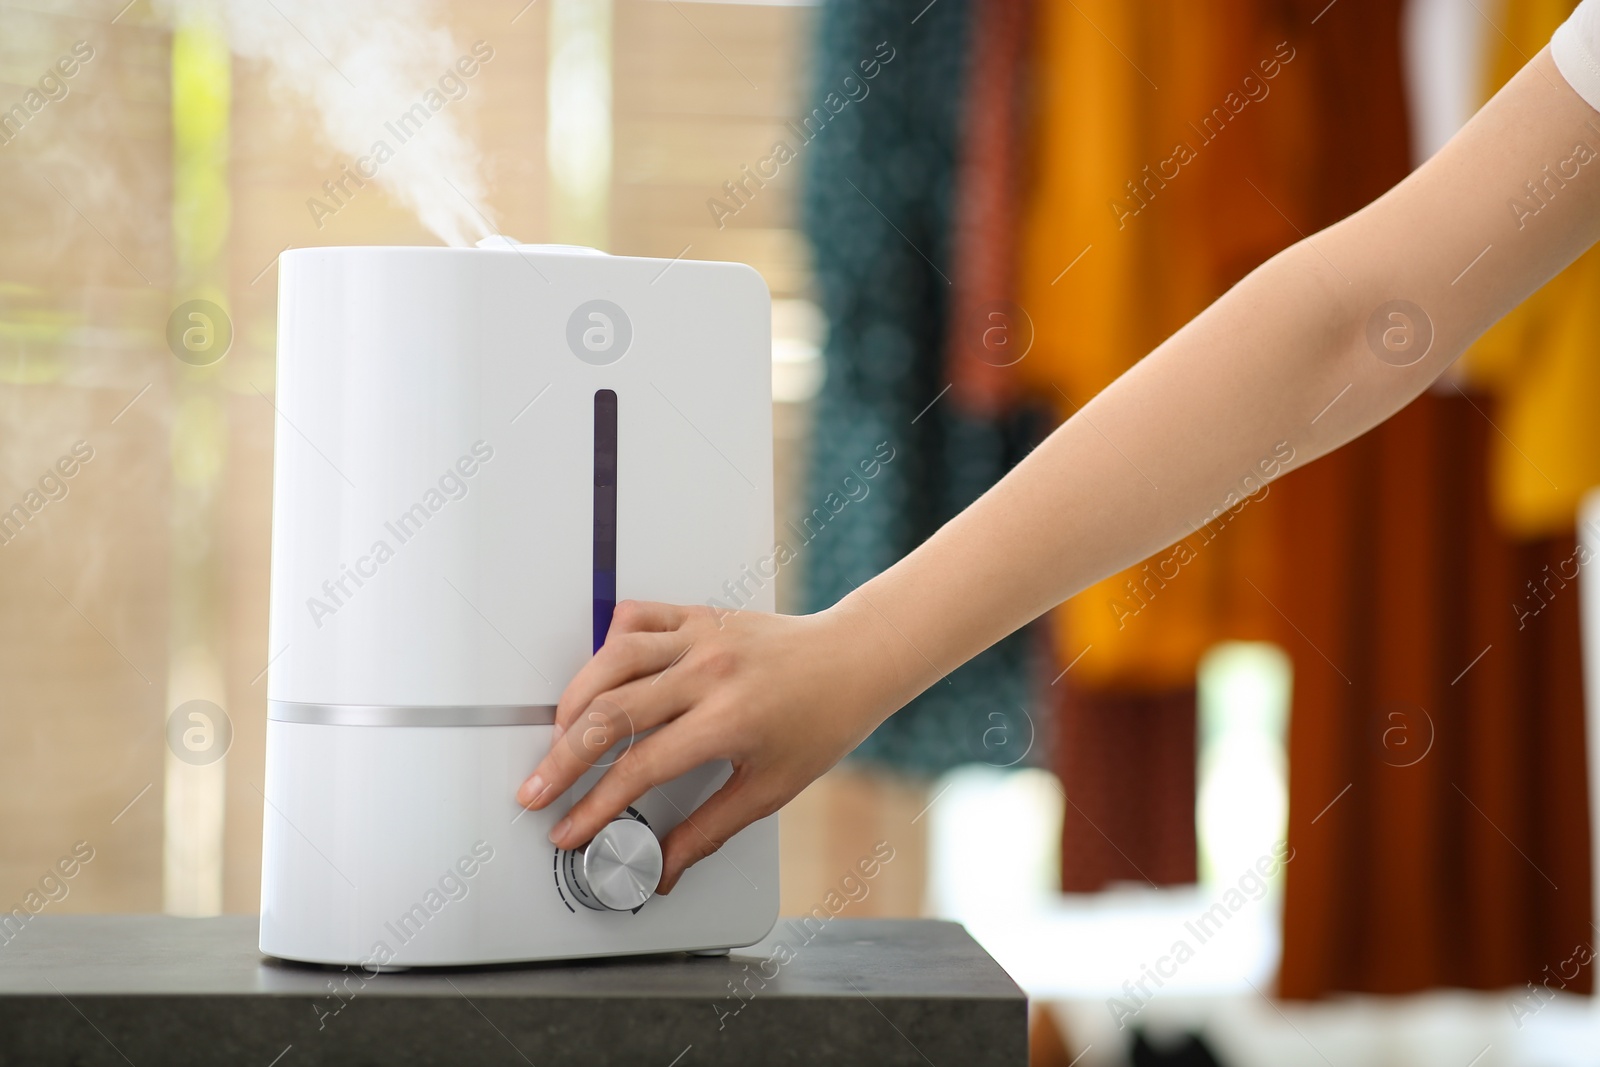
638,642
574,749
651,761
707,828
633,616
624,657
602,733
618,693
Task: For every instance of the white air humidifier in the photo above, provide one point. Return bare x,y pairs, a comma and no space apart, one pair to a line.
478,451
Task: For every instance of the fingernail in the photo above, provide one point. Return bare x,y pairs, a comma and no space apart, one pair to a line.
531,790
555,733
559,831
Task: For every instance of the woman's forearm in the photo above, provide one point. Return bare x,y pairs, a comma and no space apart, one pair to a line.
1280,365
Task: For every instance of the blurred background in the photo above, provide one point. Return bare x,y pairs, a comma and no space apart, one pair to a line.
1315,788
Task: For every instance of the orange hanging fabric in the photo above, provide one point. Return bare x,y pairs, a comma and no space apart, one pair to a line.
1156,183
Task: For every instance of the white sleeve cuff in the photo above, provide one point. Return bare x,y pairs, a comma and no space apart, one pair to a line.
1576,51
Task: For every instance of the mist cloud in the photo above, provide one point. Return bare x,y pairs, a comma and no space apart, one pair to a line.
353,67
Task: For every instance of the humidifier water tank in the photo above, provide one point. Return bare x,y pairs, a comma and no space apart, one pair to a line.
477,452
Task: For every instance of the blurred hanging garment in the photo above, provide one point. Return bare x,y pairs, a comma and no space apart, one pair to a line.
1144,206
989,332
878,208
1166,137
1542,362
1438,805
1126,761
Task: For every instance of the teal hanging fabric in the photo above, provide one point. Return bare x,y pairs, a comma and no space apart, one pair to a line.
878,210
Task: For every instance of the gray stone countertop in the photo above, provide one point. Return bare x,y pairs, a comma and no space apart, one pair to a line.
150,989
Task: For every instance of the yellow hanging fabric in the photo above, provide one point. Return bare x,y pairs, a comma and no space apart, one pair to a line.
1153,163
1542,362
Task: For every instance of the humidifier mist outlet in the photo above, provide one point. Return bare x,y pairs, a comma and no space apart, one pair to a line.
478,451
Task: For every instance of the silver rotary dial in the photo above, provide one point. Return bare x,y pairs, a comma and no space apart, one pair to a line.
618,870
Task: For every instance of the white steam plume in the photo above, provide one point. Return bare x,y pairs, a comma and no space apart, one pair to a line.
358,66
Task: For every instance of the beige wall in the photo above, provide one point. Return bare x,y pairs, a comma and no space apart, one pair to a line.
84,264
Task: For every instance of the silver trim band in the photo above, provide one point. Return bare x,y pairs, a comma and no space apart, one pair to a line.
400,715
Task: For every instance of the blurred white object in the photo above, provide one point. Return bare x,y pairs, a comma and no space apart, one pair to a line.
798,332
1243,805
1444,44
578,120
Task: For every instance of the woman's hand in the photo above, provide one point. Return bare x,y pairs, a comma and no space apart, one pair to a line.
780,697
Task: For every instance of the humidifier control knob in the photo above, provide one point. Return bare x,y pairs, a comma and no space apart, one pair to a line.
618,870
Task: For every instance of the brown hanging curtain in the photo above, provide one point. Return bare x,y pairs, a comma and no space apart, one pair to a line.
1437,778
1438,799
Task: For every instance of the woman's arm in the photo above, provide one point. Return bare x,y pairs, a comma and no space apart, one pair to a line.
1284,357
